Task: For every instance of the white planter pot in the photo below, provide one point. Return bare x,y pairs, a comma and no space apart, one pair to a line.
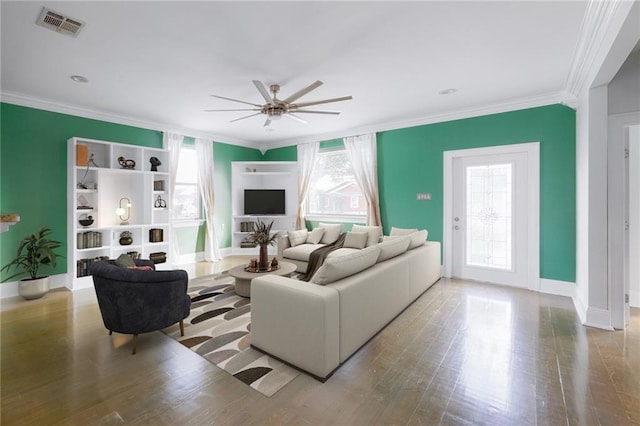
33,289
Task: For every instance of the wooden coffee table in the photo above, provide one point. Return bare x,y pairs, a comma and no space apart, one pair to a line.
243,278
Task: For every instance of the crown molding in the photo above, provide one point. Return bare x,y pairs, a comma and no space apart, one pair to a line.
563,98
600,25
78,111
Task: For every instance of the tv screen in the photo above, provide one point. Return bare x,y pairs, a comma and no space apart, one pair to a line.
264,202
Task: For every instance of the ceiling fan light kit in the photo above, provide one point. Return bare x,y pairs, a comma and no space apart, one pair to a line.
275,108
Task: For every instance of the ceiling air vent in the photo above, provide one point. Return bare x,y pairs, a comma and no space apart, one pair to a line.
59,23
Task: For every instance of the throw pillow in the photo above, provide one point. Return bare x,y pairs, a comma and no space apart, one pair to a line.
356,240
374,232
336,268
401,231
393,246
418,238
297,237
315,236
125,261
331,232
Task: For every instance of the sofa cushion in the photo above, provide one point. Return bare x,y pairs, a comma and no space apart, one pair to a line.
342,251
332,232
297,237
338,267
418,238
301,252
402,231
393,246
356,240
315,236
374,233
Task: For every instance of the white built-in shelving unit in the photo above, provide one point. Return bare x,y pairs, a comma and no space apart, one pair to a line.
262,175
97,190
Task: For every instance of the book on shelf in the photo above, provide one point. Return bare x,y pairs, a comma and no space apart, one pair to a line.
89,239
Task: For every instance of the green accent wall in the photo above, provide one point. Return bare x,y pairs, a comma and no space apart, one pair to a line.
410,160
33,174
223,155
287,153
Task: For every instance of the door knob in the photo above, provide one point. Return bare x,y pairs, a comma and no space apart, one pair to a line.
456,227
457,219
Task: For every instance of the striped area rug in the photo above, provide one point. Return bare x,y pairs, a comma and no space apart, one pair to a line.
219,329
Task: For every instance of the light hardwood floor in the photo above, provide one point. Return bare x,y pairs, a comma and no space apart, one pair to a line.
463,353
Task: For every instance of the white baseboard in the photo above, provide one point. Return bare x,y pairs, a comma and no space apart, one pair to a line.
599,318
558,288
634,299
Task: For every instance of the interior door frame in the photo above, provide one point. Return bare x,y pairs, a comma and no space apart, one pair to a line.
532,151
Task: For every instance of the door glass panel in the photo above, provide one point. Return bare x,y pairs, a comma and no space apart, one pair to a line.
488,236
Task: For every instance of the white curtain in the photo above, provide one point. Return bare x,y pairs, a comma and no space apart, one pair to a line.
362,152
204,152
307,154
173,143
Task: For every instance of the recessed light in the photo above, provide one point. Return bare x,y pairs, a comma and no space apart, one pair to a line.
79,79
448,91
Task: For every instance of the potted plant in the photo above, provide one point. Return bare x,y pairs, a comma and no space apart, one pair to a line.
261,235
34,251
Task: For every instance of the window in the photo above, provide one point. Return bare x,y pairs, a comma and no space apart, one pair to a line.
333,190
186,197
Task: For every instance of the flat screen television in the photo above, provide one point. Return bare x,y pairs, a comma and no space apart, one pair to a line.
264,202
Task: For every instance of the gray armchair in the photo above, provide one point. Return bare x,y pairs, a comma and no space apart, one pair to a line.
134,301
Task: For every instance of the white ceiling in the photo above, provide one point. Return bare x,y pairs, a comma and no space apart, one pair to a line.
157,62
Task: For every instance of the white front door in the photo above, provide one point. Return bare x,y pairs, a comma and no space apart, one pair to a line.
491,203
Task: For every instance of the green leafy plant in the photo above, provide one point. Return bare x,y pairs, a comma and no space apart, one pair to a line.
261,234
34,251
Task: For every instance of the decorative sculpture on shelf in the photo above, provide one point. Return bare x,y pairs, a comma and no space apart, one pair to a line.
155,163
126,164
160,203
85,185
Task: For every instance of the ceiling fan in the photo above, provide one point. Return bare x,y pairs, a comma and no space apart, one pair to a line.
276,108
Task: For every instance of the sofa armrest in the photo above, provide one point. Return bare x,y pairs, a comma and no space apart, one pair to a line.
282,242
297,322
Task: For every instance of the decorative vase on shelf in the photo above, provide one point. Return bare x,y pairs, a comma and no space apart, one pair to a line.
125,238
263,263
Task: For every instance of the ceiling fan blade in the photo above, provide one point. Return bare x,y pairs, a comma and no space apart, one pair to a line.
242,118
263,91
300,93
316,112
266,123
296,118
236,100
326,101
221,110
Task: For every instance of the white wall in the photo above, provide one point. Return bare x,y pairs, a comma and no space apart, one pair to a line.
624,89
634,215
624,111
594,298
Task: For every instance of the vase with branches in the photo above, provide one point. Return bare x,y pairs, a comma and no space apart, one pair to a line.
262,236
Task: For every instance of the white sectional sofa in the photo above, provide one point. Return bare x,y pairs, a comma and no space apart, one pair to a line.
318,327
